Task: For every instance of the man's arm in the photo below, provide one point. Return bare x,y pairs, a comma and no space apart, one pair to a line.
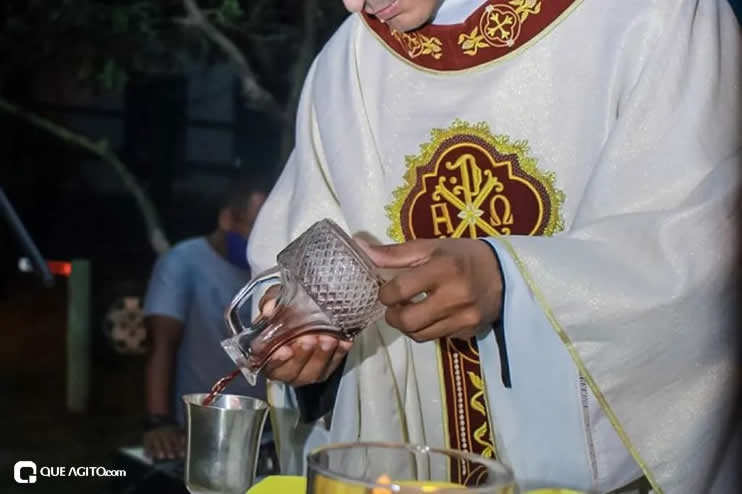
165,309
163,439
166,334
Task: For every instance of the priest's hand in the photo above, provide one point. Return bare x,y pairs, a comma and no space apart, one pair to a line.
306,360
460,279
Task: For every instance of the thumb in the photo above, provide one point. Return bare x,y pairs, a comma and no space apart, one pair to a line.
405,255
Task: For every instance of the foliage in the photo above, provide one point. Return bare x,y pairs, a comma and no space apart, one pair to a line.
105,42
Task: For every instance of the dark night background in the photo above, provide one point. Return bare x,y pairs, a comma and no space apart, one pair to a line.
171,107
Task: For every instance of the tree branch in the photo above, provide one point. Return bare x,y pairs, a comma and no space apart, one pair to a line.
257,9
254,93
157,238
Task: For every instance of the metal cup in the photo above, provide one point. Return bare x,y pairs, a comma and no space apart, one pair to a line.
223,443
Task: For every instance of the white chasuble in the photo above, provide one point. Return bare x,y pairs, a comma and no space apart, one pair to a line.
596,147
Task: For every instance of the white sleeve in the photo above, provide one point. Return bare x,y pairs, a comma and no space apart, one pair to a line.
548,405
635,296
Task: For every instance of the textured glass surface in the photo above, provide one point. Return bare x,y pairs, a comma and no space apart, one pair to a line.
339,277
328,286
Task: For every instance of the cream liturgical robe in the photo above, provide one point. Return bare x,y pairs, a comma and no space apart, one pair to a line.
596,146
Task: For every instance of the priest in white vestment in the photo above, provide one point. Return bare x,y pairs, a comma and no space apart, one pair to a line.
560,177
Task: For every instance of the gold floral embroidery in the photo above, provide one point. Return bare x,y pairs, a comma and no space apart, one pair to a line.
481,435
526,7
474,401
472,42
499,26
417,44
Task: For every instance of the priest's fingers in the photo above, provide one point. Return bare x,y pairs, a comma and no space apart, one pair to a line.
342,349
413,317
298,351
282,355
316,365
412,282
464,325
268,301
404,255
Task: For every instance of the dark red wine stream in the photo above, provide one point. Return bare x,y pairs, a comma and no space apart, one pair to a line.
219,387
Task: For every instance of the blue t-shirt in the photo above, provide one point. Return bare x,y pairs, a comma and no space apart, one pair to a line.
194,284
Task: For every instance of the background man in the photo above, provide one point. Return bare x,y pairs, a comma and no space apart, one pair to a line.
189,290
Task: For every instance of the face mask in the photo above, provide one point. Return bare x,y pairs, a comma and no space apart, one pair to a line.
237,250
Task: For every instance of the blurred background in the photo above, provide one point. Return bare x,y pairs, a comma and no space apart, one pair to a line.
122,122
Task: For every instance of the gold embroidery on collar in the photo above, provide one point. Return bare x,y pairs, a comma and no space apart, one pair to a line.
499,26
417,44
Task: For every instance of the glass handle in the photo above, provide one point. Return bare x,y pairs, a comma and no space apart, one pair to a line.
232,314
